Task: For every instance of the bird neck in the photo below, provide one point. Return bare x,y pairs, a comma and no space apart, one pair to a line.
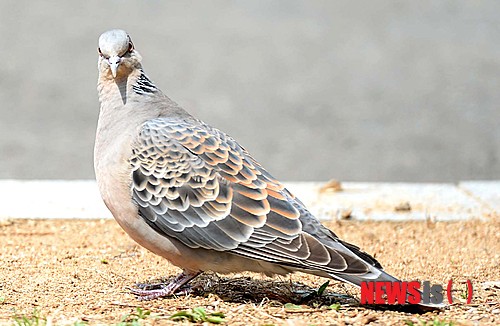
122,89
144,85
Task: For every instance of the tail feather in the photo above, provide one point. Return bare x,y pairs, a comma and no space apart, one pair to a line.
382,277
374,272
358,279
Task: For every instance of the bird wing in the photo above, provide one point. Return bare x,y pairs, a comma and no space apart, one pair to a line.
198,185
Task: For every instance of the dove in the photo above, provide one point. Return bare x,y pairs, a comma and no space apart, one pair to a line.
192,194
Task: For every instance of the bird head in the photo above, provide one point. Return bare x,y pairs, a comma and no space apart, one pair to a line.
117,55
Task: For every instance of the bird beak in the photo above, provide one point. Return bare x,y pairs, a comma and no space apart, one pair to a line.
114,62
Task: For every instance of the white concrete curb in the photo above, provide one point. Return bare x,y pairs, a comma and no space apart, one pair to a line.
51,199
363,201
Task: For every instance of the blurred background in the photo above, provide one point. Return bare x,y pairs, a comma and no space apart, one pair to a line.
352,90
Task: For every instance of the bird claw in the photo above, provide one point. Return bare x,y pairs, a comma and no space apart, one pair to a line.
150,286
154,291
178,286
145,295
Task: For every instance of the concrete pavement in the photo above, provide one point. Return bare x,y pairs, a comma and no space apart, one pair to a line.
356,200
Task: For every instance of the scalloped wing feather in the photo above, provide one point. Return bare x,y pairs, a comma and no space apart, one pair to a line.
195,183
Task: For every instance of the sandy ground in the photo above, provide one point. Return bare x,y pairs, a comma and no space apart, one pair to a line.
73,272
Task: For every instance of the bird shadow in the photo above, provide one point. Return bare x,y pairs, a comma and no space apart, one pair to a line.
247,289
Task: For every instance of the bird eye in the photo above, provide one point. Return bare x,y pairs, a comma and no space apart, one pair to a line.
130,46
100,53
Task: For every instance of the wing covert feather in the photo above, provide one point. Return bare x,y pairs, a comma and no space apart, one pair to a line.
195,183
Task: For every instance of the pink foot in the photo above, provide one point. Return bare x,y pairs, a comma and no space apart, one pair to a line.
177,286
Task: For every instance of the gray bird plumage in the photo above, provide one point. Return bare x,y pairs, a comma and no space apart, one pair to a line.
190,193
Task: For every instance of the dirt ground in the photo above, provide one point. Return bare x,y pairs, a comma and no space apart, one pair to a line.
75,272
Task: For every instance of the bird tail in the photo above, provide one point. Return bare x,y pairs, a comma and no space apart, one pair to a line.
379,275
362,267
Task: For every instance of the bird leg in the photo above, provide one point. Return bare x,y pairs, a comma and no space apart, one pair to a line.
150,286
177,286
